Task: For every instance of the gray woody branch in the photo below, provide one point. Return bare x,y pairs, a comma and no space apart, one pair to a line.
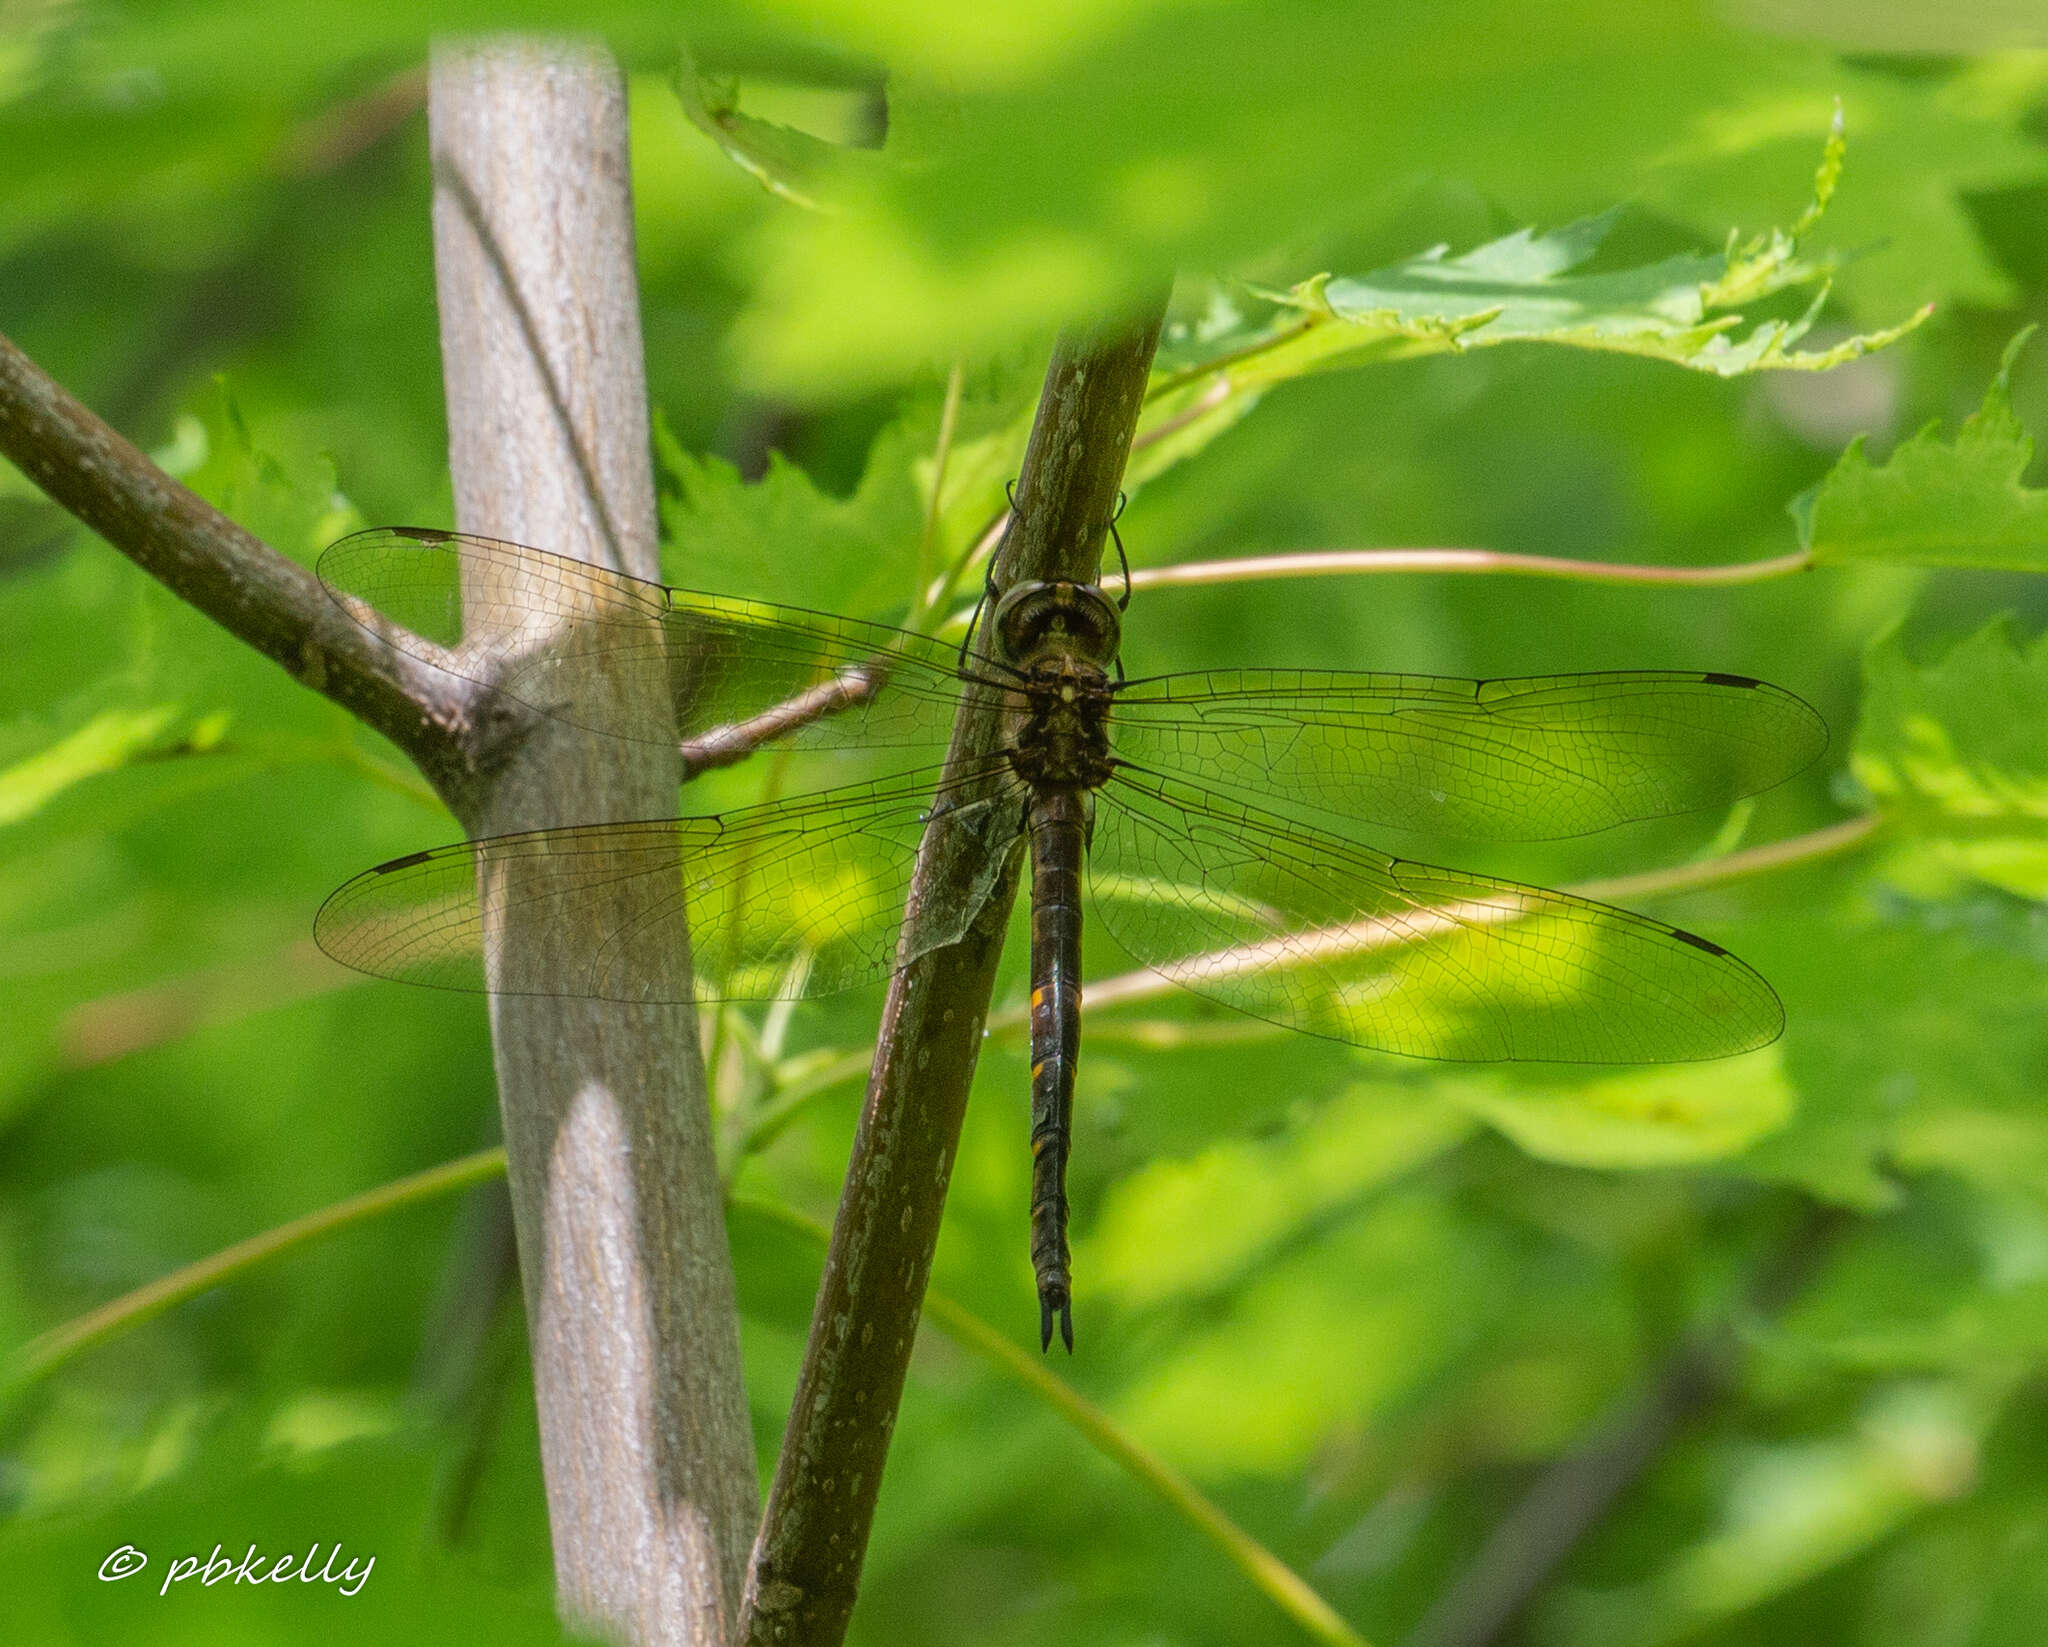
806,1568
646,1444
645,1435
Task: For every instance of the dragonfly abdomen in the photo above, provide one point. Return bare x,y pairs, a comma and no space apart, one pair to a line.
1059,838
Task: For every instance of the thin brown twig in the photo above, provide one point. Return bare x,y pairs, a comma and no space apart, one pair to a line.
330,139
728,745
1729,866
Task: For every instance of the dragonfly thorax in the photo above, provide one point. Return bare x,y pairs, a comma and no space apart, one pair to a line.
1061,640
1060,727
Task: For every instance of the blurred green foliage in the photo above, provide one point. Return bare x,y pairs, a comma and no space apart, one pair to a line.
1363,1303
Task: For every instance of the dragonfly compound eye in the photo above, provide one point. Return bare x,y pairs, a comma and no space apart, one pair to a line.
1040,620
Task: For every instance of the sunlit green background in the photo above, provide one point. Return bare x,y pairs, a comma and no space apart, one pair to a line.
1363,1303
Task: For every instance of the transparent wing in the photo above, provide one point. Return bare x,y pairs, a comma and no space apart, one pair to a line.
801,898
584,644
1318,934
1529,759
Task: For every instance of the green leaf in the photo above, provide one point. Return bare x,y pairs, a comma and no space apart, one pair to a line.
1913,1034
1186,1227
1657,1117
1926,146
1956,750
788,163
1936,502
1531,288
1329,1334
1204,137
781,538
1686,310
112,739
286,493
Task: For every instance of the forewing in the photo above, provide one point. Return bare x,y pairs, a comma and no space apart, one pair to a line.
585,645
802,898
1317,934
1529,759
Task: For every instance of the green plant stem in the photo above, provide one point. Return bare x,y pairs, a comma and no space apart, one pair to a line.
1319,563
1355,562
924,597
1730,866
788,1101
984,545
1279,338
42,1355
1277,1581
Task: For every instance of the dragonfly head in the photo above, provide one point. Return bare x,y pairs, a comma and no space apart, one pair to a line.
1037,621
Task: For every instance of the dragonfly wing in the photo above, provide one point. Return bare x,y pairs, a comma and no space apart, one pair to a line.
1318,934
798,899
587,645
1529,759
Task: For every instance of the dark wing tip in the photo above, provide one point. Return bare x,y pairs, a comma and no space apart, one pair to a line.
396,864
1696,941
1803,733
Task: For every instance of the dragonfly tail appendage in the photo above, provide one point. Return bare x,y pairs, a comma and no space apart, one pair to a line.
1049,1256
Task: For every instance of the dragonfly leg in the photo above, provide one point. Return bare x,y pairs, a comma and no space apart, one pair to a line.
1124,600
988,578
986,603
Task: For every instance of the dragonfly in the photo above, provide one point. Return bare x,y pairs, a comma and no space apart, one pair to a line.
1212,815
